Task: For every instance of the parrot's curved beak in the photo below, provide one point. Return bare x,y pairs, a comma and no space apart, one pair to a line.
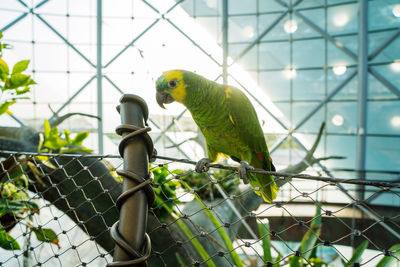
163,98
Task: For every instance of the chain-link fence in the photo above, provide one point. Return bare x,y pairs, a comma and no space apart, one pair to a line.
56,210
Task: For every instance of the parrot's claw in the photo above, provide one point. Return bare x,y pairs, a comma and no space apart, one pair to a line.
244,166
201,165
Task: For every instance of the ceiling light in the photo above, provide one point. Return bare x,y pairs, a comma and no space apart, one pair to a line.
290,26
395,121
290,73
337,120
212,3
395,66
341,19
248,32
396,10
339,70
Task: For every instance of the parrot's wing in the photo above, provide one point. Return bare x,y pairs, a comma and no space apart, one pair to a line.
245,120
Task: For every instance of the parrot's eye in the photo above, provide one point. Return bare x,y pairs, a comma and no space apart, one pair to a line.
172,83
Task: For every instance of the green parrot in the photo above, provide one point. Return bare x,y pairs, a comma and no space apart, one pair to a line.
228,122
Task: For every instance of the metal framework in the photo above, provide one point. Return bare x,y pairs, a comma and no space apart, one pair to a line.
362,61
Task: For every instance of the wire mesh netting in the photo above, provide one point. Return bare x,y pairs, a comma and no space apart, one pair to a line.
58,209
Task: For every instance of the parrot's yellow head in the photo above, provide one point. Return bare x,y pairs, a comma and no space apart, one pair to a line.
170,87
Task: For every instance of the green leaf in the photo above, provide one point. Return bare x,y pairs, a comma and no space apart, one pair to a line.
4,70
309,240
20,66
263,228
220,230
295,261
46,235
67,136
317,262
41,140
15,206
358,253
17,80
4,107
186,230
311,237
8,242
388,261
278,258
25,90
46,127
77,141
55,143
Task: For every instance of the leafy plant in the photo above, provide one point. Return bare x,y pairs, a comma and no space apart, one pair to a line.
164,189
390,260
221,231
15,204
53,141
200,182
14,85
264,230
165,202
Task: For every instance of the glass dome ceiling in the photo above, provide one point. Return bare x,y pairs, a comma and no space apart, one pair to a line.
300,61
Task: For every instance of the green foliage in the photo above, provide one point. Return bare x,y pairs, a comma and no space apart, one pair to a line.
356,257
8,242
53,141
164,189
200,182
13,85
309,241
15,204
264,230
220,230
46,235
388,261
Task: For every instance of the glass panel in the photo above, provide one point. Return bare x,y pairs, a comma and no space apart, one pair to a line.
383,153
276,85
269,6
249,60
309,85
382,15
383,117
277,33
308,53
342,117
274,55
242,7
343,146
343,19
242,29
301,112
44,52
316,16
376,90
311,3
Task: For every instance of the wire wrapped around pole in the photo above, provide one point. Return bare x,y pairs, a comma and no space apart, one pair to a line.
133,245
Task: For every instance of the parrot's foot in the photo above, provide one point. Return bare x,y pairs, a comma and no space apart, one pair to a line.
201,165
244,166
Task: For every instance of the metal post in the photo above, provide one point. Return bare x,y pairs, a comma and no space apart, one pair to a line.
99,78
362,92
225,41
133,244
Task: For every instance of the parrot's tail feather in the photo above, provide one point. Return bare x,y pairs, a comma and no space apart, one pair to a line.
264,186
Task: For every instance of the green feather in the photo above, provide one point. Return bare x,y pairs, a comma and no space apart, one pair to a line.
230,126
